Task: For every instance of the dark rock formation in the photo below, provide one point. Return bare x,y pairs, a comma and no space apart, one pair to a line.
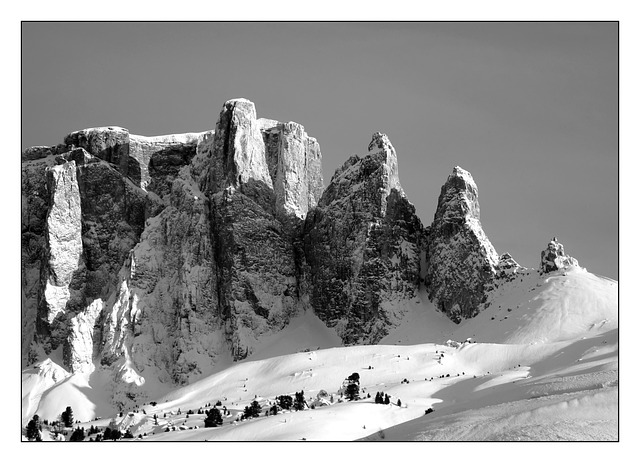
151,163
461,262
553,258
252,199
361,246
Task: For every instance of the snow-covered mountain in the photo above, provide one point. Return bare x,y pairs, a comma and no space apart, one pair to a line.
185,269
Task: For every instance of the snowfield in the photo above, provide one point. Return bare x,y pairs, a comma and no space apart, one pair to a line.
541,364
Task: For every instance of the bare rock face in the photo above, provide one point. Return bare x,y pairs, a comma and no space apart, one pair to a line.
165,319
461,262
151,163
64,245
294,161
362,246
157,161
35,202
553,258
238,159
252,196
81,218
217,268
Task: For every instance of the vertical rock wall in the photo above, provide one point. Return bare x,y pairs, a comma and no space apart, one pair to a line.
362,246
461,262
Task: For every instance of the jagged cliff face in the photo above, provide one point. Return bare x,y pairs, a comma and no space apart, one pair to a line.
461,262
362,246
155,257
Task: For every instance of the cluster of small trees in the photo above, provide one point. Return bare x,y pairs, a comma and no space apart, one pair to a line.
77,435
382,398
252,411
213,418
112,434
67,417
34,427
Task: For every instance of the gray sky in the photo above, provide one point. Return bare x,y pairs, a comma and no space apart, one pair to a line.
530,109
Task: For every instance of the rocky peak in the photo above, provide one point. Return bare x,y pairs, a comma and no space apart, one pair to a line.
362,246
294,161
459,197
381,148
553,258
461,261
238,149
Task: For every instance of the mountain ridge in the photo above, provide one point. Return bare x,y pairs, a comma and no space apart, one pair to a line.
158,259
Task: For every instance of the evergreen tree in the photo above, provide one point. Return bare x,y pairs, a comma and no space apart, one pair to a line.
399,403
353,391
386,399
253,410
107,434
77,435
299,401
33,429
353,387
285,402
67,417
213,419
128,434
274,410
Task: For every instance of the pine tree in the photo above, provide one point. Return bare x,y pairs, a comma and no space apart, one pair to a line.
353,391
285,402
77,435
107,434
128,434
253,410
213,419
67,417
33,429
299,401
386,400
353,388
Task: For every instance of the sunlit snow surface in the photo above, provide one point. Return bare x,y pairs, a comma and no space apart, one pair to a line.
543,365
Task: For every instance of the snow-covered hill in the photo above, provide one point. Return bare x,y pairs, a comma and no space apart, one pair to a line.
542,365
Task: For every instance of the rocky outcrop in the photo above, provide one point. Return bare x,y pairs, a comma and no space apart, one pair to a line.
553,258
250,199
35,202
238,158
461,262
294,162
64,249
80,219
217,268
151,163
362,246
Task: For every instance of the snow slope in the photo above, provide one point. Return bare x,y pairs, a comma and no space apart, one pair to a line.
545,370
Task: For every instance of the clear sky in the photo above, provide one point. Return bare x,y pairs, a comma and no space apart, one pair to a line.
529,109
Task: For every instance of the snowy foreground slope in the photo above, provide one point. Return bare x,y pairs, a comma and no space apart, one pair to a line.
542,365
